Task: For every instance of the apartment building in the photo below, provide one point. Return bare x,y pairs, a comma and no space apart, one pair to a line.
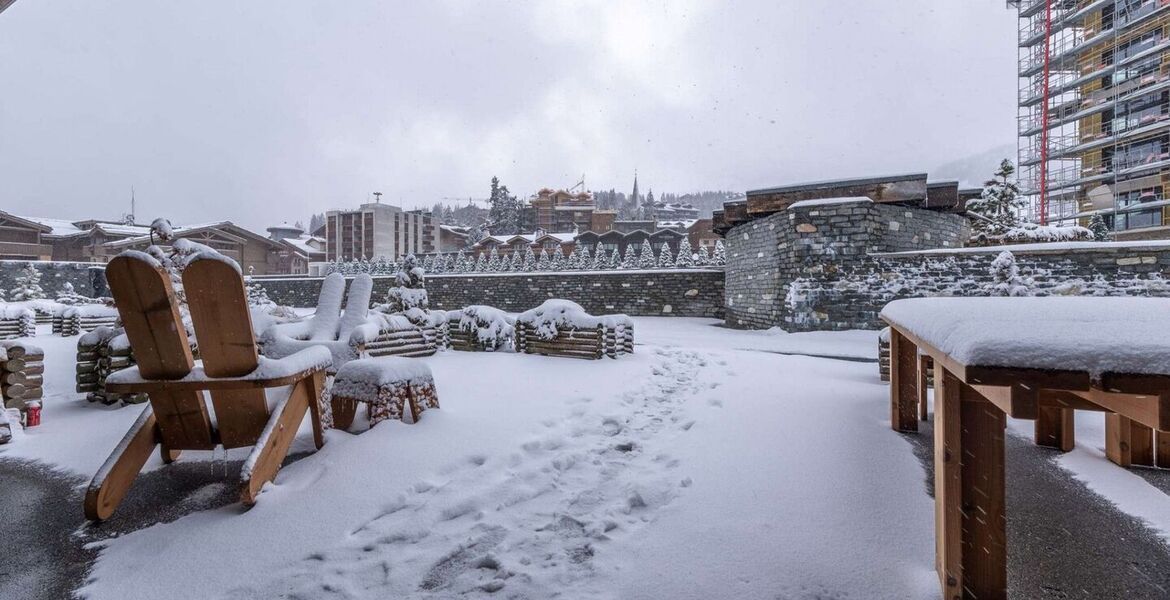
377,230
1094,112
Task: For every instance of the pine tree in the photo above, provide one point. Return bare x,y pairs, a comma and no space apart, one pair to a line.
1006,279
720,257
1099,228
997,209
647,208
544,263
460,262
28,285
665,260
493,265
600,258
646,256
573,263
558,260
686,257
481,263
704,258
584,260
629,258
529,259
517,260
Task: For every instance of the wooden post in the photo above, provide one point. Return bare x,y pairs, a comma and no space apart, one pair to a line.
1162,449
1054,428
1128,442
925,363
971,531
903,383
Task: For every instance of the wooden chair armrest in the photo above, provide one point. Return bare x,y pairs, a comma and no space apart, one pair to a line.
209,383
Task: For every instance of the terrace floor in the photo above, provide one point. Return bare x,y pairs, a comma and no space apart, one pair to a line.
711,463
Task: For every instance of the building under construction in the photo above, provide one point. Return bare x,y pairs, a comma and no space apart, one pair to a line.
1094,112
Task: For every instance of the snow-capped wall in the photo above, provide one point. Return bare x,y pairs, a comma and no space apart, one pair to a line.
765,255
667,292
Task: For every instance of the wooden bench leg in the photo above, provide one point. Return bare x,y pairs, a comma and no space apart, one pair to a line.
266,457
1128,442
113,479
903,383
1162,449
1054,428
970,525
925,364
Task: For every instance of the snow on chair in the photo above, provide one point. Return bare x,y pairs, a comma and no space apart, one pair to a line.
386,386
344,334
231,371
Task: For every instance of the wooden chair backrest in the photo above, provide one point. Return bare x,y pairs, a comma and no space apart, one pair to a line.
357,305
150,313
323,325
218,303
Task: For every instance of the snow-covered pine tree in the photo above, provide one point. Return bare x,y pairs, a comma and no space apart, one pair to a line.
529,259
704,257
460,262
646,259
558,260
584,260
720,257
481,263
629,258
613,261
1006,279
28,285
573,262
517,260
449,264
1099,228
429,263
3,295
544,263
998,209
686,258
493,265
665,260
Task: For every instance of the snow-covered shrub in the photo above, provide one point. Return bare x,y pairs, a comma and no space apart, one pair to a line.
720,257
489,327
1006,279
686,257
401,299
664,258
410,274
1099,228
28,285
646,258
553,315
69,296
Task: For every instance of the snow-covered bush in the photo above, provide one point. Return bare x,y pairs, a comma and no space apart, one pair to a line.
686,256
646,258
410,274
1099,228
489,327
997,210
69,296
665,260
1006,279
28,285
720,256
553,315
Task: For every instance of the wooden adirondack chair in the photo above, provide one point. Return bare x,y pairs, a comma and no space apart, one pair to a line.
177,418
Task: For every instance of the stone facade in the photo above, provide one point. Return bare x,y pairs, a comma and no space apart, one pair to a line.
765,255
85,277
834,294
673,292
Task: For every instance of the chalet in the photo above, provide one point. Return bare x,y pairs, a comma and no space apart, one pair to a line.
256,254
613,239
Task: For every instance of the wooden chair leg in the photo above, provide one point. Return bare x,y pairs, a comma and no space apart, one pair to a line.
167,455
1054,428
317,387
903,383
971,528
113,479
1128,442
925,363
264,461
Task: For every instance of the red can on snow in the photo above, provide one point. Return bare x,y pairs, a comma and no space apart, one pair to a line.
32,416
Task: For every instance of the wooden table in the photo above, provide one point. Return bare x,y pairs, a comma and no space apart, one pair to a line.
977,387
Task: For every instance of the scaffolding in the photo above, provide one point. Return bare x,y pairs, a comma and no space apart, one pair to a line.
1094,108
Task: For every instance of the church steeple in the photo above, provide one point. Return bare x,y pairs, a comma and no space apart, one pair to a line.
635,198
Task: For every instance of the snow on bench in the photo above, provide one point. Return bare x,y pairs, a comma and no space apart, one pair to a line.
1096,335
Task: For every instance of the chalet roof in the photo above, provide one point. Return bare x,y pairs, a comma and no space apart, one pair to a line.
303,244
832,183
224,227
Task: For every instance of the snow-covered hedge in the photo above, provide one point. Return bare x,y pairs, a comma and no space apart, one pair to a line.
1030,233
487,327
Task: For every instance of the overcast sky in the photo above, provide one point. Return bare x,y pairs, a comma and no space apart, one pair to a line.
263,110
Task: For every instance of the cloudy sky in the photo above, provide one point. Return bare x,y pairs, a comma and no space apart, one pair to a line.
263,110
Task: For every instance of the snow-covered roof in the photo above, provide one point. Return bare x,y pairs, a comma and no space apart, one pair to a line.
829,201
304,243
58,227
684,223
1093,334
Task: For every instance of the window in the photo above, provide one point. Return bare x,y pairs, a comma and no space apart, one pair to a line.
1139,218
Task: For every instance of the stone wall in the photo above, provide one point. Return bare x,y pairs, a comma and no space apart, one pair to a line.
765,255
668,292
85,277
832,294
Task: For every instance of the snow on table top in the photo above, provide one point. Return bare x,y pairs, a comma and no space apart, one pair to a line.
313,357
1098,335
829,201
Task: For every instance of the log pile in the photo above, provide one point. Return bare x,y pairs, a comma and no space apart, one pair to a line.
17,324
619,336
480,328
22,374
99,353
415,341
80,319
570,342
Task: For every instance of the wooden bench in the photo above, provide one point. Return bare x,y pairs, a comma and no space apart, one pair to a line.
1000,357
386,385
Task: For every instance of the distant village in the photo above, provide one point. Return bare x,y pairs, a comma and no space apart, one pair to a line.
563,220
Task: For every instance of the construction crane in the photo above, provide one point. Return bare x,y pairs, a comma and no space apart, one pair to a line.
579,184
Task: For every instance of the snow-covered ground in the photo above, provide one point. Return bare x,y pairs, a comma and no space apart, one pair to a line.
708,464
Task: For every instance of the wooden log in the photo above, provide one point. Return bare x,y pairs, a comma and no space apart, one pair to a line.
22,378
87,356
87,378
86,387
903,383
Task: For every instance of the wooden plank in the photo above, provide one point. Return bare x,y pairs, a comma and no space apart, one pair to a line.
316,385
113,479
903,383
219,311
948,515
1128,442
925,364
207,384
1150,411
273,445
1054,428
984,529
150,313
1015,401
1142,445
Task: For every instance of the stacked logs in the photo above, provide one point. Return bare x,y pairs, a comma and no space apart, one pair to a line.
100,352
415,341
16,322
587,343
619,336
21,374
470,340
78,319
